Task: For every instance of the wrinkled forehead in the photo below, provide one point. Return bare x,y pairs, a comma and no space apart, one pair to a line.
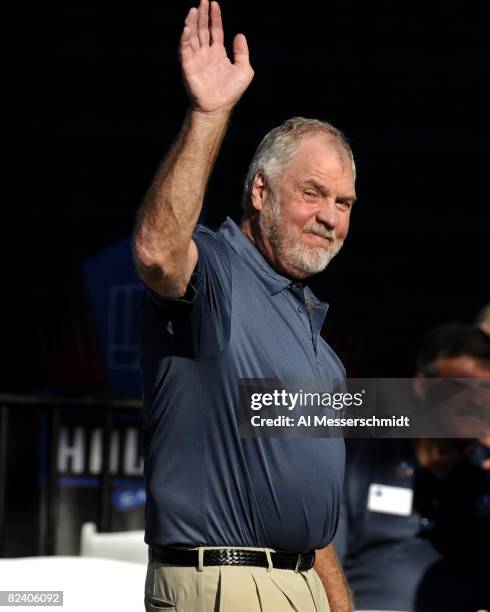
320,146
321,154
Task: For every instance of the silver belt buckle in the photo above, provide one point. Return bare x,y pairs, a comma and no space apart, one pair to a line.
298,562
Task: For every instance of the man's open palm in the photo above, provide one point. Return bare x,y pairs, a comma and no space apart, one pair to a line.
213,82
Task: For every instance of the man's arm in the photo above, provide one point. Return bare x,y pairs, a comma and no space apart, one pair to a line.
165,254
332,576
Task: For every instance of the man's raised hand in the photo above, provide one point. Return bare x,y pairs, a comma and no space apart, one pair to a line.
213,82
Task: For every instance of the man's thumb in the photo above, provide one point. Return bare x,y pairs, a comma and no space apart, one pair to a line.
240,49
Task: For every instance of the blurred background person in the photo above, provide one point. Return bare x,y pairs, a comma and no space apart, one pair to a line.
415,522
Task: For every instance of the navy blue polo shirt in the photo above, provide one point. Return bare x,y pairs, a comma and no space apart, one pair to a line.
205,485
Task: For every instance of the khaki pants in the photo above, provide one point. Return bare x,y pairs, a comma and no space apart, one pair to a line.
232,589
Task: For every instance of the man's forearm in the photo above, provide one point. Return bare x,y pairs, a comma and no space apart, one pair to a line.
173,203
165,254
332,576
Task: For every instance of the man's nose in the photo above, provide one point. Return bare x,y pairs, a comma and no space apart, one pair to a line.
328,214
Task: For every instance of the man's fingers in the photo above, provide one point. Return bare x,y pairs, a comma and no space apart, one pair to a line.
185,43
240,50
203,23
216,24
189,40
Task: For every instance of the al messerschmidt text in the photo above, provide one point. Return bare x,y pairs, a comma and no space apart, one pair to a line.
324,421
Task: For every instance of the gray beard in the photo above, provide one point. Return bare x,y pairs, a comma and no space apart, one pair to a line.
285,245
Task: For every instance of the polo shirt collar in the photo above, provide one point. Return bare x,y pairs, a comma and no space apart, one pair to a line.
244,248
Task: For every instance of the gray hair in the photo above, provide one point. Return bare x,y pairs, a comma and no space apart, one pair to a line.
280,144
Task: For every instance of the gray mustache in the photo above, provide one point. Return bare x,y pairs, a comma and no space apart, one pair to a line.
321,231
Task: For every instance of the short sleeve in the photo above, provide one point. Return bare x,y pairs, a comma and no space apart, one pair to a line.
187,299
196,325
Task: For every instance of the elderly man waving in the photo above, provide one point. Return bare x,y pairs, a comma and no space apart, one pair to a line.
237,524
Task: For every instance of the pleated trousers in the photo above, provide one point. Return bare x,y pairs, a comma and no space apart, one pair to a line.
232,589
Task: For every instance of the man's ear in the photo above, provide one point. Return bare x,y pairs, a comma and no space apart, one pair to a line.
257,194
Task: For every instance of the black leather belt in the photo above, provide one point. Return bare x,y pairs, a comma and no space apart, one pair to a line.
300,562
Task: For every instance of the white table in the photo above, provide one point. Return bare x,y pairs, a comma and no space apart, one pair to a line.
87,583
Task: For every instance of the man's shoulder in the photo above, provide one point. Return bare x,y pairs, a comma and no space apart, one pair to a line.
203,230
205,235
210,240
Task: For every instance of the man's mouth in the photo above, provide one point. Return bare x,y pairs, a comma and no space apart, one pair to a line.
323,238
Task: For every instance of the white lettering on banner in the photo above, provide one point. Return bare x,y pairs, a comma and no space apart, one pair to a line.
71,454
95,454
133,463
80,450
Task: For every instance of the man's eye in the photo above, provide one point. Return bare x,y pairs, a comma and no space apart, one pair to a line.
344,205
310,194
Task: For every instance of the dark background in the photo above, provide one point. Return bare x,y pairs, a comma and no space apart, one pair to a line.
406,82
